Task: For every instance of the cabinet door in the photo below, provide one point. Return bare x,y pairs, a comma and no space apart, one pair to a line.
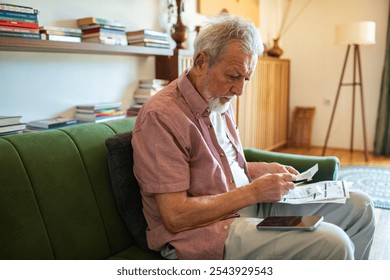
262,111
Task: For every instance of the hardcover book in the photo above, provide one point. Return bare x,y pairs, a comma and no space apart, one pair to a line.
61,38
99,105
20,35
18,8
18,16
94,20
12,128
147,32
8,120
14,23
52,122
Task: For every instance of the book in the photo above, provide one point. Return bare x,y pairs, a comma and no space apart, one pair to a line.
18,8
152,83
105,26
62,38
52,122
18,29
8,120
151,45
147,40
14,23
96,119
20,35
95,20
142,37
12,128
60,30
104,35
103,30
142,92
107,40
99,105
18,16
147,32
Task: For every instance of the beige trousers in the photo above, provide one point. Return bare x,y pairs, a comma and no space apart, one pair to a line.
346,233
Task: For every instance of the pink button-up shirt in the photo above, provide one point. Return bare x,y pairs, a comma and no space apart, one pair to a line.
176,149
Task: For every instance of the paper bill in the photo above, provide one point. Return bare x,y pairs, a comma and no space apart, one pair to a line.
307,175
320,192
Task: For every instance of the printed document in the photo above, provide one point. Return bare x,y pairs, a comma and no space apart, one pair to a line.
319,192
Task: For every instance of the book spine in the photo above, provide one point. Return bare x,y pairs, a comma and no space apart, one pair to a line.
104,30
62,38
93,20
49,29
105,35
93,26
16,29
17,8
20,35
19,15
62,33
19,23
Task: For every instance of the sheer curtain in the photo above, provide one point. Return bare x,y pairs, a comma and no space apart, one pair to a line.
382,135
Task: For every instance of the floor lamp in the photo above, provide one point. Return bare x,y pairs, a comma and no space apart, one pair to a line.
353,34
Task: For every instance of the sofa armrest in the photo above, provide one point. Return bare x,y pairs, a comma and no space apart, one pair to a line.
327,165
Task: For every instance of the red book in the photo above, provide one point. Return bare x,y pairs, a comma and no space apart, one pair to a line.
18,23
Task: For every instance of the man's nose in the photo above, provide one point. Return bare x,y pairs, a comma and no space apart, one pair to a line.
238,87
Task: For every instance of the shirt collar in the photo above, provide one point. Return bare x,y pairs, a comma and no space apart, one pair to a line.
196,103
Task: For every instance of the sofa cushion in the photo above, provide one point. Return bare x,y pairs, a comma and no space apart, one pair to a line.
125,186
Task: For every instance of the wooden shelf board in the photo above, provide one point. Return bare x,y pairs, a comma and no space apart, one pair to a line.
34,45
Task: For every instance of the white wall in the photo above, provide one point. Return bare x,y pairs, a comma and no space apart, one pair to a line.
42,85
316,63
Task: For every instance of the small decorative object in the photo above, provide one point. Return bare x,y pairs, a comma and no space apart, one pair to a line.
180,30
276,51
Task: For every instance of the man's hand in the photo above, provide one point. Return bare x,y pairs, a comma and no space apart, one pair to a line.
258,169
272,187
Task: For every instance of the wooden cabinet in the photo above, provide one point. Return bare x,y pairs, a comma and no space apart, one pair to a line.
262,112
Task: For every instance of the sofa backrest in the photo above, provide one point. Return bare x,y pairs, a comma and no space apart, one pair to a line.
56,200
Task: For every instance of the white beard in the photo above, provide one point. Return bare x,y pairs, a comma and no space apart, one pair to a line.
216,105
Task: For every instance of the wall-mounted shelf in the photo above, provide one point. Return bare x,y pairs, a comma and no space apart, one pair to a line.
34,45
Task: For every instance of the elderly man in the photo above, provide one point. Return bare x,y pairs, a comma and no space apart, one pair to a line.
201,199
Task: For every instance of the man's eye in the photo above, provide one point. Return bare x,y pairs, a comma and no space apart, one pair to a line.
233,77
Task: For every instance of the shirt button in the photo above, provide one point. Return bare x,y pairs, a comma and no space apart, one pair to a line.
221,154
208,110
225,227
231,181
210,126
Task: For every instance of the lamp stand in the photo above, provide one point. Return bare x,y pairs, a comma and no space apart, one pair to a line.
356,67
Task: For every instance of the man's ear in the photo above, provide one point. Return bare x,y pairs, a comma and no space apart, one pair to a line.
201,61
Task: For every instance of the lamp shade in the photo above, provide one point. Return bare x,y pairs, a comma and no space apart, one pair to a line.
359,33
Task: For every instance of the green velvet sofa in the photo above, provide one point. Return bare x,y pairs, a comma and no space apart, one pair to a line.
56,196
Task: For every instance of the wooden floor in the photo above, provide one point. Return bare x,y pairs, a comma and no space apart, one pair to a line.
346,157
381,246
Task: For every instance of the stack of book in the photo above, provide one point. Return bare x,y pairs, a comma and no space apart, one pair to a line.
63,34
99,112
146,89
18,21
98,30
50,123
148,38
11,125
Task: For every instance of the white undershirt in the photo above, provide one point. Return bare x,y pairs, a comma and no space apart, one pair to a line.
220,130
